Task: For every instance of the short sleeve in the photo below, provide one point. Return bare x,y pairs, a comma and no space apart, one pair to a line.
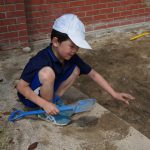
34,65
29,71
83,66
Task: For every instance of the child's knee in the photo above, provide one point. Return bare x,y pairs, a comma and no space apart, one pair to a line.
46,74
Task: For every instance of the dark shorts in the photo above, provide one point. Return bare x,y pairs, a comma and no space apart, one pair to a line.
35,86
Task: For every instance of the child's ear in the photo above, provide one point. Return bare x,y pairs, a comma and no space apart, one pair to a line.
55,42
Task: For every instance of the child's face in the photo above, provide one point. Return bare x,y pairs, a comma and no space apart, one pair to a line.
66,49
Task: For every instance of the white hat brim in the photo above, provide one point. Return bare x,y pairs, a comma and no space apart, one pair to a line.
80,42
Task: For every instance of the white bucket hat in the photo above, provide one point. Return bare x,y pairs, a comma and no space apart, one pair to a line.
74,28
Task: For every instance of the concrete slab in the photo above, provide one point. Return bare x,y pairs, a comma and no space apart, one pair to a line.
98,129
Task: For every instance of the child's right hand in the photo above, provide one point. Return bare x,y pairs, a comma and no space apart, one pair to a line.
50,108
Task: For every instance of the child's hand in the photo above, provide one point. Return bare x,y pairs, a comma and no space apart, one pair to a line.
50,108
123,97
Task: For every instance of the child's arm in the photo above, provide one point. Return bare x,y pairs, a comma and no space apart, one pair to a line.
106,86
24,89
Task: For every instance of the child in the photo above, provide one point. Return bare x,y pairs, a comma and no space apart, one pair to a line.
54,69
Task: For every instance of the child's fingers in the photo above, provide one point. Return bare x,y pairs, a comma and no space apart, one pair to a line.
125,100
128,96
131,97
54,112
125,97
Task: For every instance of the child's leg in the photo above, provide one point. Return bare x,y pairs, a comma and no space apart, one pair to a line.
47,79
42,84
45,85
64,86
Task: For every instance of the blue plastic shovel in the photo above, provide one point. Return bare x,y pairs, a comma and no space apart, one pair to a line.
78,107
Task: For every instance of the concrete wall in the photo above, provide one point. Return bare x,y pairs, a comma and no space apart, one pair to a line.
23,22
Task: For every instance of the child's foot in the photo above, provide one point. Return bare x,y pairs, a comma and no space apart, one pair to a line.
58,101
56,119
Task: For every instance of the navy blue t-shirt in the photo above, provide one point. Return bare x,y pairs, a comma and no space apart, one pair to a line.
45,58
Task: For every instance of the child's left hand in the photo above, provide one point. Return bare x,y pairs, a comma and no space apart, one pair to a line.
123,97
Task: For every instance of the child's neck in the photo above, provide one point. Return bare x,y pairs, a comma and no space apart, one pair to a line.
57,55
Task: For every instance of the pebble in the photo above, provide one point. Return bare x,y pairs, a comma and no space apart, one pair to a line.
26,49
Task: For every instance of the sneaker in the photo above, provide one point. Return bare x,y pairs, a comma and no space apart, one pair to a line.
56,119
58,101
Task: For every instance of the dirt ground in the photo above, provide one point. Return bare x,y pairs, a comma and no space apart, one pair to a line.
125,65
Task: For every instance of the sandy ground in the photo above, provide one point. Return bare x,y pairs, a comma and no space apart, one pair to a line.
124,63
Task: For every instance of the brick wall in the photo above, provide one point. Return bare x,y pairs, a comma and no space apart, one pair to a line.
25,21
13,28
